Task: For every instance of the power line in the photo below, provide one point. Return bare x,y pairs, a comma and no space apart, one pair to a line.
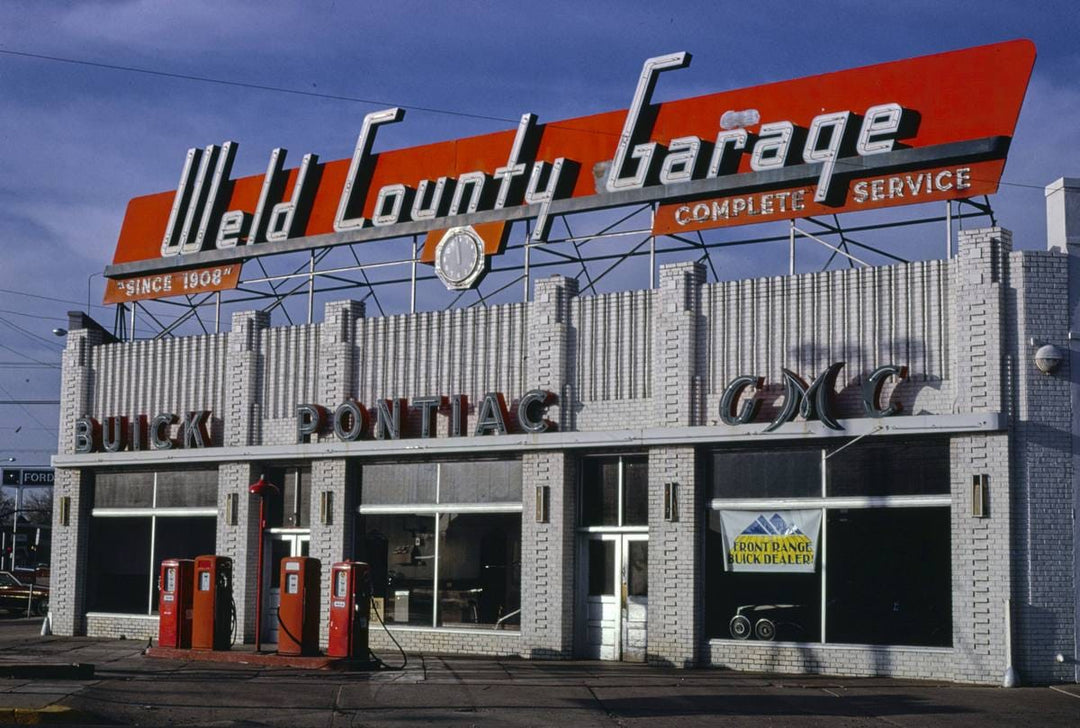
28,333
32,315
255,86
16,352
48,298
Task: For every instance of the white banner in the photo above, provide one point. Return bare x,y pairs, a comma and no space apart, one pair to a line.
772,540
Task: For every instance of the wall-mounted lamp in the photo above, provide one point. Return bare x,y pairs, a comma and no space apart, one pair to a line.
671,501
980,496
1048,358
231,503
543,504
65,510
326,507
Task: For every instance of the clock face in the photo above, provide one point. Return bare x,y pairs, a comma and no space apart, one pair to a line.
459,258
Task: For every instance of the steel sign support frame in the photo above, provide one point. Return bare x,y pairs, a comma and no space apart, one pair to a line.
613,242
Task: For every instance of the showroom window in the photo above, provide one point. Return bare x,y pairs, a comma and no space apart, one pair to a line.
823,544
444,542
139,519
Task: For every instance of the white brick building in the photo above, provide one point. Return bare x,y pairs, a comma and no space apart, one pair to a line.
605,530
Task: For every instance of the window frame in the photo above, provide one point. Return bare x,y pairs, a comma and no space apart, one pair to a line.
435,511
153,513
621,459
825,503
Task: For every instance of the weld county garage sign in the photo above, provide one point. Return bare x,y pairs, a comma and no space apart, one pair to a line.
930,128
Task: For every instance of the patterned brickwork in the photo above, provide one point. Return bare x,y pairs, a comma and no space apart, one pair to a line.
547,556
675,588
240,542
243,379
122,626
550,335
676,384
332,540
497,643
70,542
981,577
1043,530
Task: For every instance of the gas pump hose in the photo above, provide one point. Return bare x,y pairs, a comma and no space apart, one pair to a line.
404,657
283,628
232,615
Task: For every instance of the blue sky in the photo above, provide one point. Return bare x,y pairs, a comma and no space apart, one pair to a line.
78,141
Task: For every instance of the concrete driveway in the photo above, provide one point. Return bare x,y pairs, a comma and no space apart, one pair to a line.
128,688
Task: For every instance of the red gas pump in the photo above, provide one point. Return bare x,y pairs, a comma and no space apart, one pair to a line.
298,615
212,603
350,604
174,603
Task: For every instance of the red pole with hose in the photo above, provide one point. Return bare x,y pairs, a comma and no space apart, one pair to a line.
259,488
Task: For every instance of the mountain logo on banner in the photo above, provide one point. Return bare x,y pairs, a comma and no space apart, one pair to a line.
772,541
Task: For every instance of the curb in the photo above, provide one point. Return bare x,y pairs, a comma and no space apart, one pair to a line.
50,714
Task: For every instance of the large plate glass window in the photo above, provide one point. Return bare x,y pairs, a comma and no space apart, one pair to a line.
819,544
444,542
138,519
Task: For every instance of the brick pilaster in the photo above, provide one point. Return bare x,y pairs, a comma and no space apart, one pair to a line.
675,330
981,576
70,543
675,573
547,556
244,387
240,542
332,541
551,344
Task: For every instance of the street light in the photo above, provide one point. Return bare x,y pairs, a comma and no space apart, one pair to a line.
259,488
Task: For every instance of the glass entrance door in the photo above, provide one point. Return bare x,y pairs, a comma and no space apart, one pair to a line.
616,581
280,544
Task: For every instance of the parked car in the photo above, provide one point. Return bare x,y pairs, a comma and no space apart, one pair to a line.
17,592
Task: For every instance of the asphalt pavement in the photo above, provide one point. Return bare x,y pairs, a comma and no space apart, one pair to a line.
130,688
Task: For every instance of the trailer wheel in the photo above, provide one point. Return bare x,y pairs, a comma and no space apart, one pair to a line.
739,626
765,629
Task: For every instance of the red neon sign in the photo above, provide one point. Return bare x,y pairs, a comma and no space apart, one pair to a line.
921,129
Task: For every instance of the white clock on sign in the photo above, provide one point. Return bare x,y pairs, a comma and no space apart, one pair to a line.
459,258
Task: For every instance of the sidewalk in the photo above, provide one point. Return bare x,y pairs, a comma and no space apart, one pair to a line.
129,688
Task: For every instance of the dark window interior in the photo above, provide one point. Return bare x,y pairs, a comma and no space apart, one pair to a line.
181,537
600,492
889,577
401,552
792,602
479,568
118,567
636,491
892,467
601,568
765,473
288,503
